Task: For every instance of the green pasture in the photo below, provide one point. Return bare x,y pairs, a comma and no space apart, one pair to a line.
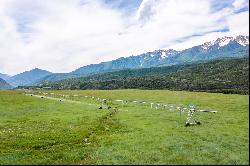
37,130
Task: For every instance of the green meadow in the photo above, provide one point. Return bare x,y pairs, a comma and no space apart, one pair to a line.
36,130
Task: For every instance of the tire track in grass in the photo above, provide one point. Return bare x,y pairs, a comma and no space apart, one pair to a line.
104,125
62,100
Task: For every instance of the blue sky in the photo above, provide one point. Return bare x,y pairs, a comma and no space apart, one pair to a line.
125,4
62,35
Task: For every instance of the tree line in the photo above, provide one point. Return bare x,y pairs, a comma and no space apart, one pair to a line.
224,76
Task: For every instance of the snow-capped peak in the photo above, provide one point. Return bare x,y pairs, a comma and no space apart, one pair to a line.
206,45
167,53
223,41
163,55
242,40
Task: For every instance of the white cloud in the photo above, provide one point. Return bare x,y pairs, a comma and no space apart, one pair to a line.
239,23
62,35
146,10
238,4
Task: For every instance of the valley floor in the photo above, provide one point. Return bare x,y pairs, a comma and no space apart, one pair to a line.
67,127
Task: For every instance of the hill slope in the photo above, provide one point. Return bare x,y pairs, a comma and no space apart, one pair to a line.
28,77
227,75
4,84
57,77
4,76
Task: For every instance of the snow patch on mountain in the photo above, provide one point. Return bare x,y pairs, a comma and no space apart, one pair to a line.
164,55
224,41
242,40
221,42
167,53
206,45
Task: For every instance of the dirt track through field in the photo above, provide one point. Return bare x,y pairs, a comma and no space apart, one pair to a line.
68,101
62,100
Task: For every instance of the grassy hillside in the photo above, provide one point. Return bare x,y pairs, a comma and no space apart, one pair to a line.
42,131
227,76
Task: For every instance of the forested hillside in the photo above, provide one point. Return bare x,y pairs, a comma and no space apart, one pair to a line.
227,76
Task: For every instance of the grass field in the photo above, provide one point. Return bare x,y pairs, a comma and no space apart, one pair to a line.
42,131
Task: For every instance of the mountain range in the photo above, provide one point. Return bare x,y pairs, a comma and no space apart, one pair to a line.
227,75
222,47
235,47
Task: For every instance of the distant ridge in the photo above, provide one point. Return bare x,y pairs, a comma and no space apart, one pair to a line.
27,77
4,76
4,84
